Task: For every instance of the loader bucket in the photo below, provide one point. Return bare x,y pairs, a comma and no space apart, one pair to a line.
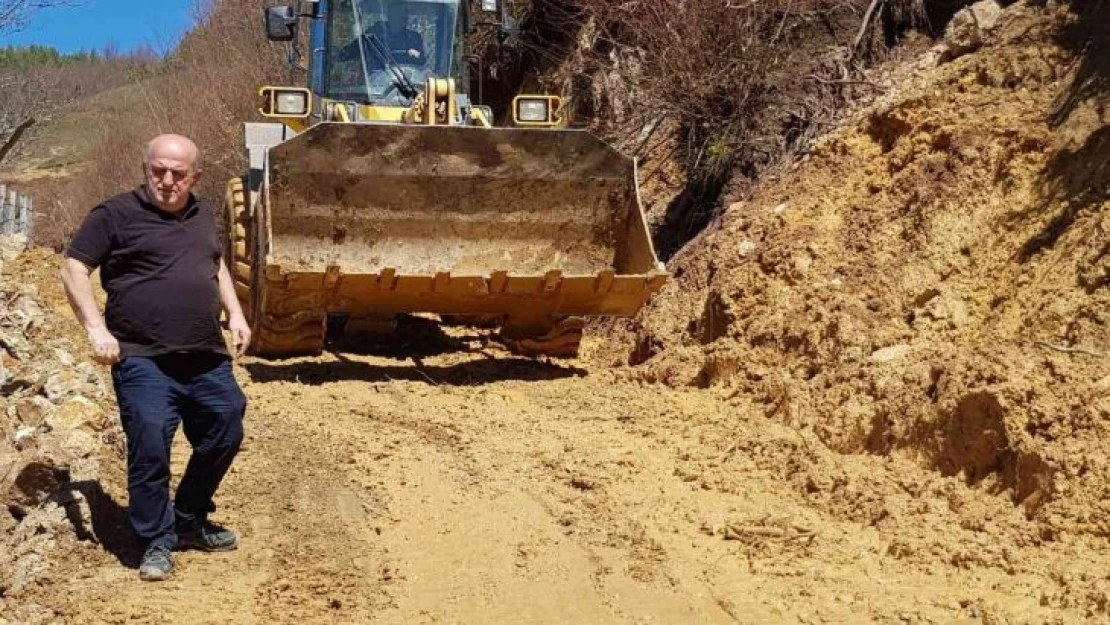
386,219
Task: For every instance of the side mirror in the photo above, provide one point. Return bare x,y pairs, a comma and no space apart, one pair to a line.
281,23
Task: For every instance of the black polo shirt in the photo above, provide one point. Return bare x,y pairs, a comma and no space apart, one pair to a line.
160,271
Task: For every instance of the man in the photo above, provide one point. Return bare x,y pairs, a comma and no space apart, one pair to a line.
405,46
160,263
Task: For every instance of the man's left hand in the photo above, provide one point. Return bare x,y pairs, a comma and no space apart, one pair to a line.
240,333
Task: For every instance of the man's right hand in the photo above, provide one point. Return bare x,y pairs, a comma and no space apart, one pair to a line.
105,346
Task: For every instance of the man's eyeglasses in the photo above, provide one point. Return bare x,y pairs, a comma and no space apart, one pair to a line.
159,173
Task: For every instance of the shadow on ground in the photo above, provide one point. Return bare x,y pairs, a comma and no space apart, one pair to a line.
110,526
414,340
470,373
1088,36
414,337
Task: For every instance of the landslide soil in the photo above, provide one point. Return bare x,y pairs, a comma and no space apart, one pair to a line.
437,479
876,392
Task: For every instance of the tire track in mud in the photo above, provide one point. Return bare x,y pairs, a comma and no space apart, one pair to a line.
451,534
315,533
472,527
474,490
307,550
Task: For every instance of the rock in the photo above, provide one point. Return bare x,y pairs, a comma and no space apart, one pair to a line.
39,530
32,411
959,314
84,470
92,378
11,246
77,413
13,340
8,457
39,527
745,248
78,510
967,30
943,308
890,354
66,383
7,524
64,357
987,13
24,437
26,570
28,309
34,482
17,381
79,444
930,58
802,263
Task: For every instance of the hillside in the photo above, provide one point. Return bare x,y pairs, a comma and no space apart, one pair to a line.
876,389
926,284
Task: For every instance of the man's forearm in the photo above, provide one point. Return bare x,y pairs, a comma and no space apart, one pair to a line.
229,300
77,281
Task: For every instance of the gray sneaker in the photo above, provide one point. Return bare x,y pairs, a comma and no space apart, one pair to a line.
157,564
206,536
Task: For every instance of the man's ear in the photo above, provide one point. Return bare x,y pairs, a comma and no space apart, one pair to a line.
197,175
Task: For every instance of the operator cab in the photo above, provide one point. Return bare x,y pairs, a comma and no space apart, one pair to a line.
382,52
390,61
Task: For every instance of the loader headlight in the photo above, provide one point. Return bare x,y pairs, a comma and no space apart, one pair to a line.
531,110
285,102
292,103
538,110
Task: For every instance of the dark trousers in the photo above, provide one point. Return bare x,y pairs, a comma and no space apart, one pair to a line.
155,395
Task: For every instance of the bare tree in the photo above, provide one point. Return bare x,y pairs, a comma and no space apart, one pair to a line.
21,94
14,14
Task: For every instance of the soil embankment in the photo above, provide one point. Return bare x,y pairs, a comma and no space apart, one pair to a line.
876,391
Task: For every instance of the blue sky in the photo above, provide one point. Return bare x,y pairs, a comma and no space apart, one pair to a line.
94,24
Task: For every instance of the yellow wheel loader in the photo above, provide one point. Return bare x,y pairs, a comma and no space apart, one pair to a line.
381,189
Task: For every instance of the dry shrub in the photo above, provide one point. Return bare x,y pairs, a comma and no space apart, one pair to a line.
745,83
205,90
45,94
40,91
741,84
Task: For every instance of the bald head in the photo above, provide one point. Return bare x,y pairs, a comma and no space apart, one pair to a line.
173,146
171,169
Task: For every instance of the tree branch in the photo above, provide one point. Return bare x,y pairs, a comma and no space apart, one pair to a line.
10,142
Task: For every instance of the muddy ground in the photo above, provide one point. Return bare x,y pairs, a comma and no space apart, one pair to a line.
436,478
876,390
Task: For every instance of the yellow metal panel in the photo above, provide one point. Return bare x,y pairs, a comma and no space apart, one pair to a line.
382,113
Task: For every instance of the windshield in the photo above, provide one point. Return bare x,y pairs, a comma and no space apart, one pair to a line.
413,37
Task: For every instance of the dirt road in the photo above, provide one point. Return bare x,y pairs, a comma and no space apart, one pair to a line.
878,392
412,483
